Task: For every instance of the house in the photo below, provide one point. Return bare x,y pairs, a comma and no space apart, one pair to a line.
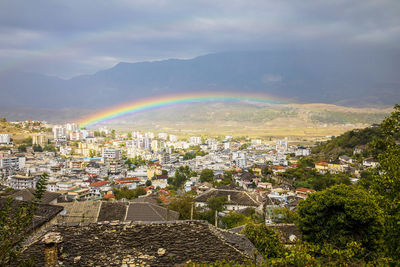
154,169
98,189
277,169
29,195
370,163
346,159
236,200
304,192
336,166
321,166
130,183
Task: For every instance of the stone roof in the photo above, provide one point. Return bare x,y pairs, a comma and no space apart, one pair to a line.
150,212
29,195
152,244
99,211
236,197
43,214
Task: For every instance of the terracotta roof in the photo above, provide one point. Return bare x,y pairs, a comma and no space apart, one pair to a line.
127,180
305,190
98,184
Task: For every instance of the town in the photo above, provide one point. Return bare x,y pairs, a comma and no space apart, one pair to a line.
233,183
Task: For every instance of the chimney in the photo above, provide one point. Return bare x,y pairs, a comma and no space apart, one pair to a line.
50,250
229,198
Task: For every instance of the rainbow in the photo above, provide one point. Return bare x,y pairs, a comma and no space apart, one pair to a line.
169,100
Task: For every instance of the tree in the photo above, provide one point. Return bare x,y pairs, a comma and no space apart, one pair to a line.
265,240
217,203
183,204
16,221
234,219
340,215
37,148
206,175
22,148
148,182
384,181
3,119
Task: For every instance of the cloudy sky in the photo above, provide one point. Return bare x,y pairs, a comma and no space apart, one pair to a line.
66,38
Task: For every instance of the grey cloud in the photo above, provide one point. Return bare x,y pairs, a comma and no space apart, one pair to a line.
54,36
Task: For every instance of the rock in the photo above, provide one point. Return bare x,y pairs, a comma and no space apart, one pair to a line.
76,259
161,251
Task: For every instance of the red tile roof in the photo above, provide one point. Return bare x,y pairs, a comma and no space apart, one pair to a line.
305,190
98,184
127,180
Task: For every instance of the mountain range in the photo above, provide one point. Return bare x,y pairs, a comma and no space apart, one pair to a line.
349,78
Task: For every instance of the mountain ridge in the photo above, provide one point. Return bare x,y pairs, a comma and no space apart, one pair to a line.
302,77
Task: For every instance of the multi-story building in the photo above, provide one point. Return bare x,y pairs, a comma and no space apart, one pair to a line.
5,139
111,153
59,132
14,162
196,140
40,139
20,182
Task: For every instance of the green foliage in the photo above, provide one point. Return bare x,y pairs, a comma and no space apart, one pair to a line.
384,182
37,148
16,221
234,219
49,148
284,215
183,204
3,119
182,174
22,148
148,182
306,254
164,172
340,215
129,193
217,203
304,176
136,160
244,146
345,143
192,152
265,240
207,175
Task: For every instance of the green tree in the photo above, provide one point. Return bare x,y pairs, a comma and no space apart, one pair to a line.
340,215
207,175
22,148
265,240
16,221
217,203
3,119
148,182
384,181
234,219
183,204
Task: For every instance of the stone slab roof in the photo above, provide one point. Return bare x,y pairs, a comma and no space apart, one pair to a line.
150,244
43,214
150,212
29,195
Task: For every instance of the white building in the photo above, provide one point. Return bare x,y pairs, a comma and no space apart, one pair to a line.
5,139
14,162
163,136
59,132
20,182
111,153
196,140
173,138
